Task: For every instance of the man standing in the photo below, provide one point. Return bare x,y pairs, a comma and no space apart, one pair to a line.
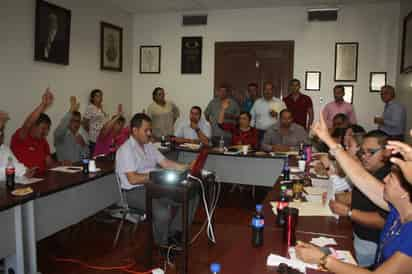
253,95
284,134
197,130
70,144
134,160
393,120
212,114
265,110
29,142
367,218
299,104
338,106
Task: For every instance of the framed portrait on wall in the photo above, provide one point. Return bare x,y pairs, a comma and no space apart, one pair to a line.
406,55
348,93
312,80
150,59
111,47
52,33
191,55
346,62
376,81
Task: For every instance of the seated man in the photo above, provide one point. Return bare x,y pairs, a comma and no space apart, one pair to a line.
340,120
29,142
70,144
368,219
6,154
197,130
284,134
134,160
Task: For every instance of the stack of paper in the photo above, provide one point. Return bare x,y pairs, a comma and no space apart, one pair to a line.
323,241
27,181
275,260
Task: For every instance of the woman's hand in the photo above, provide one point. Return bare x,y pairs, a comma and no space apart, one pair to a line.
309,253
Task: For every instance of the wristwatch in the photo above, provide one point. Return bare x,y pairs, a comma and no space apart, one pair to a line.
333,150
323,261
349,213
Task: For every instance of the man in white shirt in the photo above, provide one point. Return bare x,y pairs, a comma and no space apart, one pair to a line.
5,153
134,160
265,110
196,130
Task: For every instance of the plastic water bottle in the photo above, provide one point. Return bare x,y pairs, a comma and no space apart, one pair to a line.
286,170
258,224
10,172
215,268
301,149
85,164
221,143
283,194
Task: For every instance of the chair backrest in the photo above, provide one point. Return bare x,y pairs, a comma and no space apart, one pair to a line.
123,199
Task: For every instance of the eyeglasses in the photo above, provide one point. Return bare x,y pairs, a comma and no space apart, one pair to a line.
369,152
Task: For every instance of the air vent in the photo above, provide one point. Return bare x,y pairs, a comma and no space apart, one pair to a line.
194,20
323,14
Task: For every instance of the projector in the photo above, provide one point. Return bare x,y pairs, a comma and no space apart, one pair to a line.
168,176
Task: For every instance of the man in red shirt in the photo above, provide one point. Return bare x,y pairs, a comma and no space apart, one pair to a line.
299,104
29,142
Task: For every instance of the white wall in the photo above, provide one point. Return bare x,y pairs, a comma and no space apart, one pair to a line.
374,26
22,80
404,81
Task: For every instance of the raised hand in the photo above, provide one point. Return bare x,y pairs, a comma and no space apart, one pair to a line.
120,109
4,117
74,105
321,130
47,98
225,104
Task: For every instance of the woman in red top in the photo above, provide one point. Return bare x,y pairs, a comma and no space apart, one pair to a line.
242,133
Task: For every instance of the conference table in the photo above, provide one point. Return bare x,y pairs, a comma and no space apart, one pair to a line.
258,169
59,201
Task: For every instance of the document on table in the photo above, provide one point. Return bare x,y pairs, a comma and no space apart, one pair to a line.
27,181
276,260
316,208
67,169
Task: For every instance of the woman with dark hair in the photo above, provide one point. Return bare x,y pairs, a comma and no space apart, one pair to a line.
395,249
242,133
94,117
163,114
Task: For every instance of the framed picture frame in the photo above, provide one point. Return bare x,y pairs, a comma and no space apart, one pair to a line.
376,81
191,55
406,55
52,33
150,59
349,92
111,47
346,61
312,80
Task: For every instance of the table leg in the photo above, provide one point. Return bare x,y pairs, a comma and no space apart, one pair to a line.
16,261
29,238
149,218
185,228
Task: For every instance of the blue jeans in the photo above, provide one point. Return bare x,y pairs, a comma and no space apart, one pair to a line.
365,251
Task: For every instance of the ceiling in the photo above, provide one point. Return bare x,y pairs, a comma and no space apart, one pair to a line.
154,6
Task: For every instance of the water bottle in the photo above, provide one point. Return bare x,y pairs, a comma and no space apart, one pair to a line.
301,149
221,144
112,151
85,164
10,172
280,216
258,224
215,268
283,194
286,170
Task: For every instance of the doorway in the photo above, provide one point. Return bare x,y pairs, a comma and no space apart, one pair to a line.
239,63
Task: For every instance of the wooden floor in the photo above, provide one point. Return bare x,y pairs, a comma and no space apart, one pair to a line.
90,242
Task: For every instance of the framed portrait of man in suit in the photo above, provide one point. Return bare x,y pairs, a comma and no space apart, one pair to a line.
52,33
111,47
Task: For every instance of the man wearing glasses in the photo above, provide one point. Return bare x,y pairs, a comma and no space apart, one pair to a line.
367,218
